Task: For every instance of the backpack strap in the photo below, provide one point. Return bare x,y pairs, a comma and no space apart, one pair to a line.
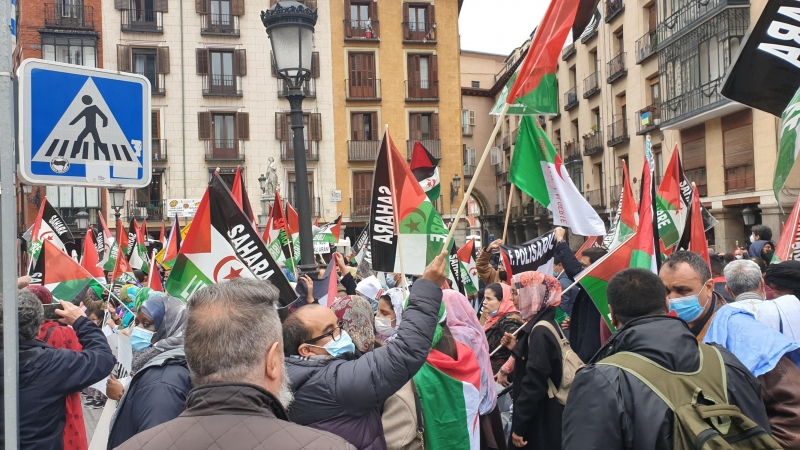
552,389
47,335
678,388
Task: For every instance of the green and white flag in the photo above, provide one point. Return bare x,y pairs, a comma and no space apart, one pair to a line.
789,146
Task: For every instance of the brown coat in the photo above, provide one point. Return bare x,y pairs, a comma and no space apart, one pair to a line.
234,416
485,270
780,388
400,420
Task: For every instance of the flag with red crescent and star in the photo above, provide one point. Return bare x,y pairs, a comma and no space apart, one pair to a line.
50,226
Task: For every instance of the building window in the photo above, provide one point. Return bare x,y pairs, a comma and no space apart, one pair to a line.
79,51
362,194
693,144
224,133
144,63
222,77
737,144
292,194
312,134
423,77
423,126
364,126
222,70
476,85
70,200
359,15
221,13
362,83
419,22
152,62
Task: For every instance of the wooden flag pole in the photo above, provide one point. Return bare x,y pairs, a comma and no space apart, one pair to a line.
508,211
468,193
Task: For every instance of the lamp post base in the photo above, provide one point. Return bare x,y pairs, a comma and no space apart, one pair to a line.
309,269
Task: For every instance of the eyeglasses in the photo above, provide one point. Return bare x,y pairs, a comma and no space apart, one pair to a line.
334,334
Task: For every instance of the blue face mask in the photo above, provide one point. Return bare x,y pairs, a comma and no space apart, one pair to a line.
141,338
341,346
390,282
493,313
688,308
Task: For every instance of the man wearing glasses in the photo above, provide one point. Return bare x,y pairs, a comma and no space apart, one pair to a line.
337,391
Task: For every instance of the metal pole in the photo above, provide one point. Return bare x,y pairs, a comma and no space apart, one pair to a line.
8,240
303,200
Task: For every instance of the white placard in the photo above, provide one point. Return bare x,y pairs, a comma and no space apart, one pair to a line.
183,207
336,195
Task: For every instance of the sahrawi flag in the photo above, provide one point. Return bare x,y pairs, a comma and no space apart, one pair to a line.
276,235
469,276
222,245
627,215
426,170
116,250
138,254
789,147
48,226
449,392
671,213
789,245
419,230
535,89
59,273
123,272
104,235
646,253
330,232
169,253
537,170
89,259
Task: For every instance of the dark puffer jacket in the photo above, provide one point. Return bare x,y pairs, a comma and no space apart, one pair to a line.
234,416
610,409
343,395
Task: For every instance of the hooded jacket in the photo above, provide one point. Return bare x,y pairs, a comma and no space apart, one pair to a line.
611,409
343,395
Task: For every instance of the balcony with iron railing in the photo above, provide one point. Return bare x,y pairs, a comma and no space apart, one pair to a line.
515,133
596,198
646,46
159,147
506,142
618,133
362,30
419,32
422,91
219,25
586,37
360,207
568,51
616,194
158,82
741,177
592,143
591,85
309,88
571,98
316,209
141,21
698,177
312,151
469,170
67,15
363,150
363,89
434,146
613,9
152,210
216,85
224,150
689,15
617,68
572,152
648,119
502,177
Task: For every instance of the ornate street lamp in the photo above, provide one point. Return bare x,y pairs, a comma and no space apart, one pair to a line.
455,186
117,200
749,216
290,26
82,220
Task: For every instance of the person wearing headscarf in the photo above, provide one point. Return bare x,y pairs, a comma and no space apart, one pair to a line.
465,328
157,393
501,317
355,313
390,314
57,335
536,422
124,314
371,289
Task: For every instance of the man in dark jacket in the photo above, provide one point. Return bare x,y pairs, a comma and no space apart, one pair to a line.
610,409
584,322
336,392
47,375
234,350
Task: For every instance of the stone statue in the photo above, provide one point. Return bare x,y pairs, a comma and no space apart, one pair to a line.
272,179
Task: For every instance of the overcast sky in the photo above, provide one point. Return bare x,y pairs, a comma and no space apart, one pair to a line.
498,26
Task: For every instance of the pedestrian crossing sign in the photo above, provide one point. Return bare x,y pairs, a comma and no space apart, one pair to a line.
83,126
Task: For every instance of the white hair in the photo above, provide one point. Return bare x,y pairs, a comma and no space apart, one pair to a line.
742,276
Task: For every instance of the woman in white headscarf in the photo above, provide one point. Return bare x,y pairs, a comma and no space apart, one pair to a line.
390,314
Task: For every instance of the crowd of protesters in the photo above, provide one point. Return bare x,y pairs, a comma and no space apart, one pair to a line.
700,350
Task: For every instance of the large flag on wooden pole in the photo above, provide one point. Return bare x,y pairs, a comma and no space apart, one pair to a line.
626,222
89,259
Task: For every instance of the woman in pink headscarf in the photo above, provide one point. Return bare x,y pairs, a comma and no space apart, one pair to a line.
502,317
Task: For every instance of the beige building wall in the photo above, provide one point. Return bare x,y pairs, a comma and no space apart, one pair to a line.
186,170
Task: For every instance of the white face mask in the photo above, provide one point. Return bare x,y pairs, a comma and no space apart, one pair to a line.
752,238
383,325
738,256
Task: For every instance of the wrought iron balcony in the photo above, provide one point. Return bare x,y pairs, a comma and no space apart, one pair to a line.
312,151
593,143
363,89
215,85
646,46
572,152
67,15
591,85
596,198
159,150
618,133
740,178
224,150
220,25
360,207
152,210
506,142
362,150
648,119
141,21
617,68
568,51
309,88
616,194
689,15
315,205
571,98
419,32
434,146
515,133
362,30
613,9
588,36
422,90
157,82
